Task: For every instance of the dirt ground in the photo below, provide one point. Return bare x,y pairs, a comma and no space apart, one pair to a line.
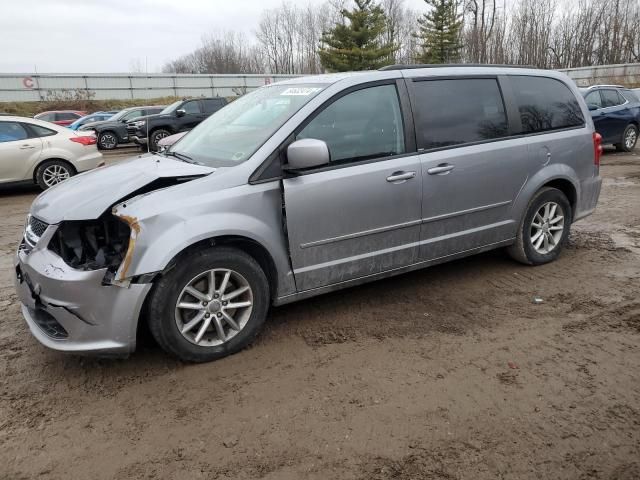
448,373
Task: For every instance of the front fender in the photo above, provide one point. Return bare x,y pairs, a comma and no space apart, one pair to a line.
251,212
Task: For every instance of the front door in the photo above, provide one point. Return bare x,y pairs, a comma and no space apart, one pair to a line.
360,215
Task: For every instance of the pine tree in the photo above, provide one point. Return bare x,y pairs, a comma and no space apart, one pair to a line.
439,32
356,43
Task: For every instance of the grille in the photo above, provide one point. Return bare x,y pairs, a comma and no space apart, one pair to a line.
48,324
37,226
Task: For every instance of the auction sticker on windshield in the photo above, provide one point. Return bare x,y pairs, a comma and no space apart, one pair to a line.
300,91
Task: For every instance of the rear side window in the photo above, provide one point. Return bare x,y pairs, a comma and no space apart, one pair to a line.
631,96
456,112
611,98
545,104
39,131
47,117
361,125
12,131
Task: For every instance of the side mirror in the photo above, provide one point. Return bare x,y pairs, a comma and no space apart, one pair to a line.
181,113
592,107
307,153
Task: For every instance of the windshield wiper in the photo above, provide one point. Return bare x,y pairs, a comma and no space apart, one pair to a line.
179,156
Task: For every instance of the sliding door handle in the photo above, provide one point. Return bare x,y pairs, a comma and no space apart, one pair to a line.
397,177
442,169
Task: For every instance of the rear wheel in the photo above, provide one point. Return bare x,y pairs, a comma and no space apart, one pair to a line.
155,138
209,306
544,230
52,172
629,139
107,140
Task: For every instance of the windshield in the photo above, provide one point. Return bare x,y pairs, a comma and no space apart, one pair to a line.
119,115
231,135
171,107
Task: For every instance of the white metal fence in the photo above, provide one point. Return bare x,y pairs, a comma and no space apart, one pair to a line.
22,87
34,87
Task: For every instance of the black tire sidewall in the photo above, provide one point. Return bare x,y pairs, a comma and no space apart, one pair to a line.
43,166
102,134
165,294
544,196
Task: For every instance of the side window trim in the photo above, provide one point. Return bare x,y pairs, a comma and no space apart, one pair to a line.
620,97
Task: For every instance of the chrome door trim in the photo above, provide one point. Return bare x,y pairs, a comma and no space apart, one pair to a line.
360,234
464,212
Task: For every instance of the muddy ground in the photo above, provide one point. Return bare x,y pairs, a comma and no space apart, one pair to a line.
447,373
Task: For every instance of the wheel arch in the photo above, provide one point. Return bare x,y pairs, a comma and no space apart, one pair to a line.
34,173
566,187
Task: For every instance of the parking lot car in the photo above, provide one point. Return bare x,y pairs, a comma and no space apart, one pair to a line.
113,132
303,187
178,117
94,117
60,117
616,114
47,154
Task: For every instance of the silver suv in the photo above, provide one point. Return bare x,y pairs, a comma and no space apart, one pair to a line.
300,188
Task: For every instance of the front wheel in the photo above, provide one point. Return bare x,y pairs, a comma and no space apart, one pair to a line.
544,230
629,139
107,141
210,305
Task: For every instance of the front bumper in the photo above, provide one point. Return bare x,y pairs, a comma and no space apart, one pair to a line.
70,310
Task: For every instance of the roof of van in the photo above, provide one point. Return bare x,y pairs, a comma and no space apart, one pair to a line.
399,71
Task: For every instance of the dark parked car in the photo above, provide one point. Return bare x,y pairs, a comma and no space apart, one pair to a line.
113,132
616,114
178,117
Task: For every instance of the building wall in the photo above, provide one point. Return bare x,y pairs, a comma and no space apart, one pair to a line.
627,75
17,87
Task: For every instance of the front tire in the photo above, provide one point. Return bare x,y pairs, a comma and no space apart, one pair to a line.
107,140
155,138
629,139
544,229
210,305
52,172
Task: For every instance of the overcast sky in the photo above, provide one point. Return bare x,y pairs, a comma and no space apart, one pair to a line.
108,35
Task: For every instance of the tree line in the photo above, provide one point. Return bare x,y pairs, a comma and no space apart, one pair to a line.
342,35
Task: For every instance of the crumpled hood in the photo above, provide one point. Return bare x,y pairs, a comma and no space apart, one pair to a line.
89,195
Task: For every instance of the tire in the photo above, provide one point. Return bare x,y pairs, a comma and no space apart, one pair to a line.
629,139
52,172
107,140
526,249
155,137
166,320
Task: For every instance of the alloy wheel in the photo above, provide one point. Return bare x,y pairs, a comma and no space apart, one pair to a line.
214,307
631,138
54,174
108,141
547,228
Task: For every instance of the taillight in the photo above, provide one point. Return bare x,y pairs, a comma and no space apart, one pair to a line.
84,140
597,148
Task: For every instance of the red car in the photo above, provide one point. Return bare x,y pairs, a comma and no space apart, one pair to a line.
60,117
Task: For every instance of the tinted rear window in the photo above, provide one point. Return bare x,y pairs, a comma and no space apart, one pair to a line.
545,104
455,112
67,116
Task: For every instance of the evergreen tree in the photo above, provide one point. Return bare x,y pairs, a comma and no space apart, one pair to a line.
356,43
439,32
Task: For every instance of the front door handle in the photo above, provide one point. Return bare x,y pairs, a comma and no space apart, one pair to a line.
397,177
442,169
26,147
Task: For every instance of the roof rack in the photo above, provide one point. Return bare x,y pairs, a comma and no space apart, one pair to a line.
598,85
445,65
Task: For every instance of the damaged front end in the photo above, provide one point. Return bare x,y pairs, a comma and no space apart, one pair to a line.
93,244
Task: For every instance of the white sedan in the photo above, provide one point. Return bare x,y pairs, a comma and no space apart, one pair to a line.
42,152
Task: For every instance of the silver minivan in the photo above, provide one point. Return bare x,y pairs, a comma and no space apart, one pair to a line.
304,187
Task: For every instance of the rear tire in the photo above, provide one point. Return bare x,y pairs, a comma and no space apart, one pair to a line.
544,229
107,140
629,139
155,137
199,323
52,172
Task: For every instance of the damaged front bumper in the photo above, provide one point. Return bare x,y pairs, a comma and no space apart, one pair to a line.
72,310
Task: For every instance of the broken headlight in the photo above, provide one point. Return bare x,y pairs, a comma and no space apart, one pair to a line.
92,244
